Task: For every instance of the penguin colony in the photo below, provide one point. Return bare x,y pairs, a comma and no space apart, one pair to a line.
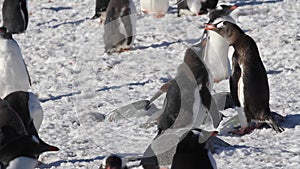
21,114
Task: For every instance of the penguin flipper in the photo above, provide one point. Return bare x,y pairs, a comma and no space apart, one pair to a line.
23,6
234,78
126,19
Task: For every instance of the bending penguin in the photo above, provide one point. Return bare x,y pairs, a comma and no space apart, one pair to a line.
217,51
18,148
119,26
28,107
13,72
113,162
100,9
15,15
158,8
248,82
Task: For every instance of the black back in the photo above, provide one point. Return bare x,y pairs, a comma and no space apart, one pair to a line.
15,15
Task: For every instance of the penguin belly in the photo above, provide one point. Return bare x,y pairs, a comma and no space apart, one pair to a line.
22,162
155,7
194,6
216,56
13,71
240,87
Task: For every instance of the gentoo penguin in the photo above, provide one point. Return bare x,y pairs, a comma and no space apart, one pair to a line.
158,8
13,72
197,7
191,86
28,107
101,6
217,52
113,162
119,26
15,141
15,15
248,82
192,154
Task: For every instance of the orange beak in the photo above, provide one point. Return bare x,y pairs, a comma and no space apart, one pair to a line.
210,27
233,7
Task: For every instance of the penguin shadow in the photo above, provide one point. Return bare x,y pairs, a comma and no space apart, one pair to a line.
77,22
60,162
274,72
57,9
291,121
162,44
254,2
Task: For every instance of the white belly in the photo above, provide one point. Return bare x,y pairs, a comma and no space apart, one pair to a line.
241,88
194,5
22,162
155,7
13,72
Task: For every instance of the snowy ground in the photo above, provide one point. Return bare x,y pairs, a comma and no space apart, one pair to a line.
64,52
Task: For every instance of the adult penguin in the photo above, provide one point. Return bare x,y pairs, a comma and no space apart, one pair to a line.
217,52
197,7
13,72
15,15
119,26
158,8
16,144
248,82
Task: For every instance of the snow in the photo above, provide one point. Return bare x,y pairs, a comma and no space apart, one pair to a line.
64,53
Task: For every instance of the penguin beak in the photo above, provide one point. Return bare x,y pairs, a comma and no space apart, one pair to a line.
210,27
233,7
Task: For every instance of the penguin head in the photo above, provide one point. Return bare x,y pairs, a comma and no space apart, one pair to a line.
229,31
34,146
228,8
4,34
113,162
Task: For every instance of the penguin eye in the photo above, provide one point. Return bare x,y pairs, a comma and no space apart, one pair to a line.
220,25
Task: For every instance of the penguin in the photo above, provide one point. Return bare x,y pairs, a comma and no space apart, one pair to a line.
28,107
192,154
119,26
13,71
248,82
113,162
14,137
15,15
101,6
158,8
191,86
197,7
217,52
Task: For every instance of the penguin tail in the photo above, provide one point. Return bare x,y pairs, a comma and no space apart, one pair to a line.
275,124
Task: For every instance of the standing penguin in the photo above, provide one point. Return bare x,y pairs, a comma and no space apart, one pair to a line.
197,7
248,82
28,107
113,162
15,15
158,8
192,153
119,26
13,72
101,6
191,86
16,144
217,51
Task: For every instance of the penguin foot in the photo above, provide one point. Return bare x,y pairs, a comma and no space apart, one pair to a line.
242,131
145,11
160,15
